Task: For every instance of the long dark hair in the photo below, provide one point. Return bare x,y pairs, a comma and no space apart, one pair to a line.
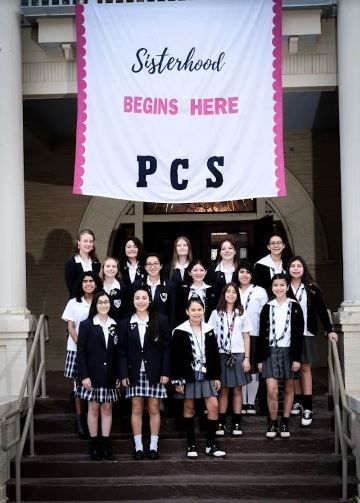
306,278
93,308
153,328
246,264
287,251
92,253
221,305
233,244
140,247
79,292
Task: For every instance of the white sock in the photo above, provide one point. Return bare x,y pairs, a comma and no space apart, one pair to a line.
138,443
252,389
154,442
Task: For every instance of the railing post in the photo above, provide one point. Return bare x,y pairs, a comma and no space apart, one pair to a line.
18,463
31,411
42,358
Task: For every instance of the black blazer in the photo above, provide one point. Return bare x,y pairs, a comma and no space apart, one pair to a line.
217,280
175,276
120,302
263,278
139,275
181,356
316,307
156,354
73,271
94,359
296,330
164,299
182,296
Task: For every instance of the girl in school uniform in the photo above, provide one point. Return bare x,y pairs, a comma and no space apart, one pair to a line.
161,291
77,310
132,261
232,327
278,351
115,288
195,371
97,359
273,263
182,256
253,298
195,286
83,260
224,269
144,367
307,293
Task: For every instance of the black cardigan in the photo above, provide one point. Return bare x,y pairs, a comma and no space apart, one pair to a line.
218,280
164,298
263,278
316,307
182,296
94,359
156,354
296,330
73,271
181,356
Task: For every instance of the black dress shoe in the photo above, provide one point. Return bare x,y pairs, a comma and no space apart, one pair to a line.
138,455
153,454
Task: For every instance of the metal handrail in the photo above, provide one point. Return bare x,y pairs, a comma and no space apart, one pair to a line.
344,416
27,401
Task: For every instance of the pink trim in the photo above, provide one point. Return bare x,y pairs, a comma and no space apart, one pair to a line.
278,105
81,99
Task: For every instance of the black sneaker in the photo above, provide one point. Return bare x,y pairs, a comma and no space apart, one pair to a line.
272,429
191,451
215,452
284,431
220,432
307,417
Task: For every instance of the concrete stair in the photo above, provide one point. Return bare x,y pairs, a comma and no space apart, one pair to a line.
255,469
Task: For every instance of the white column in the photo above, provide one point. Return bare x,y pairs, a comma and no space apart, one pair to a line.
14,317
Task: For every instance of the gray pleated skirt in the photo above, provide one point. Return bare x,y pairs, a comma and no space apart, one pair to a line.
310,353
199,389
278,365
236,375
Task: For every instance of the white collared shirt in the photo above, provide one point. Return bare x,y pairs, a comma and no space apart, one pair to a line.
181,268
301,296
258,299
280,314
105,326
85,264
76,312
152,286
142,330
132,271
227,272
115,285
273,268
242,323
198,291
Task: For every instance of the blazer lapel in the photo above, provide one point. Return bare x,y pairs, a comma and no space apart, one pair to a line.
100,334
135,333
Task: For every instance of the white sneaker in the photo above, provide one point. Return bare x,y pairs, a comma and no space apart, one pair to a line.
307,417
215,452
191,452
297,409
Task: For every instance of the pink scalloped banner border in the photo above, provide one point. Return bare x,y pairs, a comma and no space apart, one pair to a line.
278,106
81,99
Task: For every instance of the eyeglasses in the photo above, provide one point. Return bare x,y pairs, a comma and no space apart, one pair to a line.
152,264
103,303
276,243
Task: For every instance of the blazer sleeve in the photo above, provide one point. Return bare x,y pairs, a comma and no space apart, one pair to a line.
70,276
263,339
297,331
166,339
82,349
321,309
177,357
123,348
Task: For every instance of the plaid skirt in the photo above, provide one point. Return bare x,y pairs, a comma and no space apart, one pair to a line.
70,365
310,353
278,365
144,388
99,395
234,376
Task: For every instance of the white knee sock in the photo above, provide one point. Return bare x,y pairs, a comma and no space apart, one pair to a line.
138,443
252,389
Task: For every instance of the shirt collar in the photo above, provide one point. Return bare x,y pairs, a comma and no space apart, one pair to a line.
136,319
109,321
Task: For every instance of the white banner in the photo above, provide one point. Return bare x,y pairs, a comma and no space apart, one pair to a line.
179,101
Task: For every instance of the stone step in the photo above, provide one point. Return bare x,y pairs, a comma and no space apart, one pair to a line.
165,486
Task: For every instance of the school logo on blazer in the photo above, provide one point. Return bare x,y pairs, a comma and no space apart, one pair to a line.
164,296
117,303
